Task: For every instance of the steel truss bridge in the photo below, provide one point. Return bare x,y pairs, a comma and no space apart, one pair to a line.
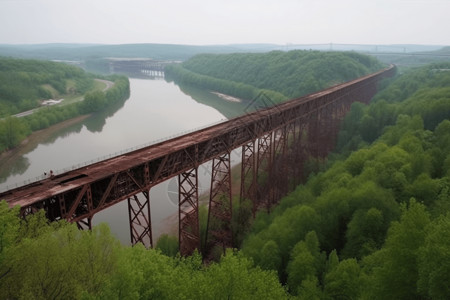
275,142
146,66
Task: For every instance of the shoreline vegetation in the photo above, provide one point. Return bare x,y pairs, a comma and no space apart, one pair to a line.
278,75
35,138
18,130
24,83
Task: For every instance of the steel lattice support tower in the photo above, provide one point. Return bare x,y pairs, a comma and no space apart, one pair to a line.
140,220
85,224
313,134
263,171
288,161
219,229
299,150
279,169
248,174
325,125
188,232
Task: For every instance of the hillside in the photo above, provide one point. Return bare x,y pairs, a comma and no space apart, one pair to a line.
24,82
375,224
285,74
83,52
418,58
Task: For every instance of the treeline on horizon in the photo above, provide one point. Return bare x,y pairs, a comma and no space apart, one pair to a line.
23,83
374,223
280,75
95,53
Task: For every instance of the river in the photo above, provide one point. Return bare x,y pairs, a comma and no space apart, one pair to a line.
156,110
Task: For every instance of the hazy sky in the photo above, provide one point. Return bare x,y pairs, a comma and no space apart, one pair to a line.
224,22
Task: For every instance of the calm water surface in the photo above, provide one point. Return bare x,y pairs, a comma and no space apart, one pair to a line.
155,110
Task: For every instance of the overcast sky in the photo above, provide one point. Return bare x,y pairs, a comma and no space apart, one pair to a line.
203,22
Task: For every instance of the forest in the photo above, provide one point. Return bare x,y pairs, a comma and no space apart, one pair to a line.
280,75
372,223
97,52
25,83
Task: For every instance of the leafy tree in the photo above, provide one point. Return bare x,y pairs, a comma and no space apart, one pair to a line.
434,260
93,101
9,232
270,256
306,262
344,281
394,268
310,289
235,278
12,131
365,233
168,245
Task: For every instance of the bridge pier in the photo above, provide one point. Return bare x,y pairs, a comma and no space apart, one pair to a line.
219,228
248,174
264,186
324,132
287,169
188,226
298,149
140,220
85,224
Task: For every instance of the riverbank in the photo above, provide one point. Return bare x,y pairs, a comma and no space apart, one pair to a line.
34,139
227,97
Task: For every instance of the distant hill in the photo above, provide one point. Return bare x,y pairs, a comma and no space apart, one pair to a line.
155,51
422,55
445,50
289,74
83,52
24,82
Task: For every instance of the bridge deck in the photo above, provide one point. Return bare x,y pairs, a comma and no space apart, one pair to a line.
47,188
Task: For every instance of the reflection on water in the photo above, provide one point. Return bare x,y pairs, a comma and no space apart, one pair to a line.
228,108
14,167
19,164
98,120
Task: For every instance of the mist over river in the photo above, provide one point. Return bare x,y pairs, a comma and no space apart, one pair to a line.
155,110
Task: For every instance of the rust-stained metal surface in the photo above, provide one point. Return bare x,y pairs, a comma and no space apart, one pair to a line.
219,231
188,229
275,140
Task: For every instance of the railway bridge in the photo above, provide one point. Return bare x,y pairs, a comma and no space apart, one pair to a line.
276,141
138,66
